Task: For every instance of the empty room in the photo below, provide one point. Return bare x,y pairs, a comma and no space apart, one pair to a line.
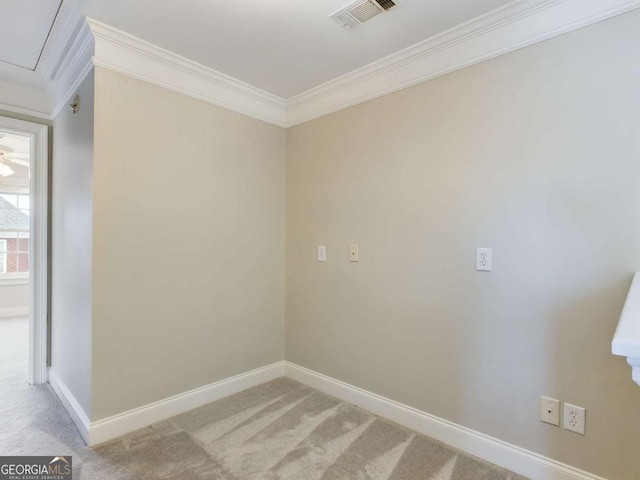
320,240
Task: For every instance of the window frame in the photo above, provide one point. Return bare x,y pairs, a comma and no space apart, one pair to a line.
16,278
38,243
4,253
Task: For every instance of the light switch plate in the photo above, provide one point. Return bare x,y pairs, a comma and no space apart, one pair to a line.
322,253
354,255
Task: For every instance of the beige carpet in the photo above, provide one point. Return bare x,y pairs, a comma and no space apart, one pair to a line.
279,430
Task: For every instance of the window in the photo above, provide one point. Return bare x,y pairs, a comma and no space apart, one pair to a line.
3,256
14,234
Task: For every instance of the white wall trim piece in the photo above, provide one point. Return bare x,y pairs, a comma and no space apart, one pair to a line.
129,55
38,246
38,243
77,414
14,279
61,35
24,99
516,25
33,93
73,69
14,312
40,114
123,423
94,433
509,28
512,457
626,341
498,452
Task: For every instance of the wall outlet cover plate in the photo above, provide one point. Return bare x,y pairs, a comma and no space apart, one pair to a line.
483,260
550,411
574,418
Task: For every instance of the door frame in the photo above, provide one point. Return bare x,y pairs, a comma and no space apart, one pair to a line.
38,243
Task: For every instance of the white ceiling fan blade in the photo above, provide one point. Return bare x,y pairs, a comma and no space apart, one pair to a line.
6,170
6,148
24,156
18,161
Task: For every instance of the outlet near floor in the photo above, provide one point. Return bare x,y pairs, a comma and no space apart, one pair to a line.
574,418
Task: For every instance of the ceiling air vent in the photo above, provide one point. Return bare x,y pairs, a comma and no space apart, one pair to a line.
360,11
386,4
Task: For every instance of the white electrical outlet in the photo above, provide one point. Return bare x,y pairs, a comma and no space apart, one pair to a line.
322,253
483,259
550,410
354,255
574,418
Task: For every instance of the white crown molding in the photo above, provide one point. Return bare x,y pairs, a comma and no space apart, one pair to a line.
493,450
65,62
61,35
67,57
506,29
36,93
72,69
123,53
511,27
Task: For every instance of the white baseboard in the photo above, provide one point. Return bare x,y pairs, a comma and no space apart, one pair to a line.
14,312
78,415
94,433
511,457
123,423
498,452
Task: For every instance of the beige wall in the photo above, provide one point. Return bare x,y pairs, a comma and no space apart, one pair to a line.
71,246
535,154
188,279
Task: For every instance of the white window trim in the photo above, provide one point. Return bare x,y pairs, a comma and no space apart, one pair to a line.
4,252
38,243
11,279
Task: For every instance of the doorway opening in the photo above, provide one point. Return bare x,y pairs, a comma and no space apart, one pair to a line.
23,251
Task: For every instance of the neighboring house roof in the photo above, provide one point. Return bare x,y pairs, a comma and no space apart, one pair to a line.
11,218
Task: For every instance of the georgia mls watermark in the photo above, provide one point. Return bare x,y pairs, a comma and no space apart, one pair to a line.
35,468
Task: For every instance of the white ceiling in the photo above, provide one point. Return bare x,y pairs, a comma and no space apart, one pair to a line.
25,27
282,46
